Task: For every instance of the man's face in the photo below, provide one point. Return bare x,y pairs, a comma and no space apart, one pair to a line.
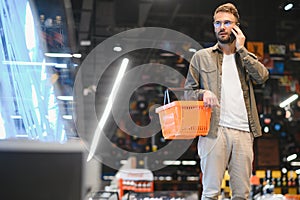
223,23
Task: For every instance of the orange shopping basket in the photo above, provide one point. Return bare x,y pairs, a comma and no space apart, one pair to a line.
183,119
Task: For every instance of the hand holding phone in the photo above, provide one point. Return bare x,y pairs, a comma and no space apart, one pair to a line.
238,36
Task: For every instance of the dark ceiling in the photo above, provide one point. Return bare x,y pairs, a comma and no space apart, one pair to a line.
260,20
97,20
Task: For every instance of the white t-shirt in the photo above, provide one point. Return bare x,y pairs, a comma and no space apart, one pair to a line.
233,110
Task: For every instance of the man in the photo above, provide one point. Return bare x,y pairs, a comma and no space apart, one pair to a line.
222,76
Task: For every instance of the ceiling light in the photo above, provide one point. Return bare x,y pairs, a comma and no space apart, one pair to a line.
65,98
123,162
76,55
288,6
295,164
21,136
59,55
117,49
291,157
192,50
85,43
16,117
67,117
171,162
189,162
288,101
56,65
63,55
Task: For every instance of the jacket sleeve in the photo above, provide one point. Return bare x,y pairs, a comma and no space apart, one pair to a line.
256,70
192,84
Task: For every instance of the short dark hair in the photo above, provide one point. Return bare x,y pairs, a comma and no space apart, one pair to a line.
229,8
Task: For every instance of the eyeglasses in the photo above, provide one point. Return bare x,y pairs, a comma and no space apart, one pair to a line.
227,23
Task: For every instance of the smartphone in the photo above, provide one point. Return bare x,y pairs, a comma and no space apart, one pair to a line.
232,37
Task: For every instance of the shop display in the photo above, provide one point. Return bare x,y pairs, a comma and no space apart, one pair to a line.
136,180
165,195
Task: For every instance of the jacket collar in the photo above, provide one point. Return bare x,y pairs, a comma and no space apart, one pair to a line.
216,48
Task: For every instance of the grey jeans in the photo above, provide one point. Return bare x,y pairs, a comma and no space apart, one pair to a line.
232,150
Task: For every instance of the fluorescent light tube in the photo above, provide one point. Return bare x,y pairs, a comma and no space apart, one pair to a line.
65,98
288,101
291,157
108,108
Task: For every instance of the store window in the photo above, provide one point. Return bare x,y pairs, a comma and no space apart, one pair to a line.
28,106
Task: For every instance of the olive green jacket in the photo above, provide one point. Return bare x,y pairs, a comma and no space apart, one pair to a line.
205,73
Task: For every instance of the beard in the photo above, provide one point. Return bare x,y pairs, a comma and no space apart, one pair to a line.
227,40
224,41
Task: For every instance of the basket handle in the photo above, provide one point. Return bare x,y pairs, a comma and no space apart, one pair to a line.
167,96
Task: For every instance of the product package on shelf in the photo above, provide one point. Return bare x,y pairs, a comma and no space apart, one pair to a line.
136,180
